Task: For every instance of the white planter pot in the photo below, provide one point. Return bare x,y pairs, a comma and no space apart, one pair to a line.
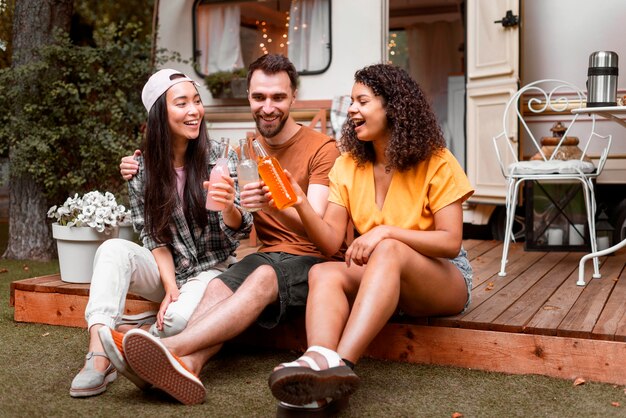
77,247
127,232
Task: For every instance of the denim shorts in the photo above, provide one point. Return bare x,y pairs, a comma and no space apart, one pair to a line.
462,263
292,272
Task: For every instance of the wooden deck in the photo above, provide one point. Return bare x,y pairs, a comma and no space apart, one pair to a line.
535,320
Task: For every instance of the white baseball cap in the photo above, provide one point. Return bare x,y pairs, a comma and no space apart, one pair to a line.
159,83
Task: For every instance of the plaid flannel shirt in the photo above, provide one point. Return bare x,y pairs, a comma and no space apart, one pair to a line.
194,249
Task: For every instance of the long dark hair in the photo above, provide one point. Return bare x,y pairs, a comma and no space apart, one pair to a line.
160,186
415,132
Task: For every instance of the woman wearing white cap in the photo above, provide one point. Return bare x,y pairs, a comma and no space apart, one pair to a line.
184,244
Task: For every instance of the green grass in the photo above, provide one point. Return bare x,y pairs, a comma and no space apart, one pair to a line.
39,362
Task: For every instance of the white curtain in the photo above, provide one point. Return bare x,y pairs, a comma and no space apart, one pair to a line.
309,34
434,56
218,38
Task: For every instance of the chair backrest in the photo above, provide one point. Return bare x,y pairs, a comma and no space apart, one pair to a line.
339,113
550,97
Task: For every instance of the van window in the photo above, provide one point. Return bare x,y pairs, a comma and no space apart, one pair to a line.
230,34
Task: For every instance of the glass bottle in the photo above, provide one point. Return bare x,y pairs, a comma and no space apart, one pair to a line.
219,169
274,177
247,169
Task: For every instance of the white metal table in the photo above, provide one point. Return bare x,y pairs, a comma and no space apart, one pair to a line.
612,113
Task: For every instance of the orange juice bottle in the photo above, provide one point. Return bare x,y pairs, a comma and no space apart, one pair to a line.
274,177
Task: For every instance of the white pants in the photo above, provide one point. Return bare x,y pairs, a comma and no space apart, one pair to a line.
121,266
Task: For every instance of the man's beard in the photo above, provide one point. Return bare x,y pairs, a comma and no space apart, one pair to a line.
269,131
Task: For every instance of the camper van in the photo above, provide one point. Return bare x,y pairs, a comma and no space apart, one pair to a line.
469,56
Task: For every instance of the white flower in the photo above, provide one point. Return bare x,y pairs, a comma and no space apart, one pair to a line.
94,209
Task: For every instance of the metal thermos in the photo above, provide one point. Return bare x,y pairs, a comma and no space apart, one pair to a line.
602,79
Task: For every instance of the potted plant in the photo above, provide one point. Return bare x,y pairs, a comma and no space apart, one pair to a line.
82,224
227,84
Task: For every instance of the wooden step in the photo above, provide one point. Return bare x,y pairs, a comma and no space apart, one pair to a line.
48,300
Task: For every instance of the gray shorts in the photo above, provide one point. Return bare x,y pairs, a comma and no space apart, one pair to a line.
292,272
462,263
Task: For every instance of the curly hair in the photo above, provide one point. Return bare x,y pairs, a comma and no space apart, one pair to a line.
415,132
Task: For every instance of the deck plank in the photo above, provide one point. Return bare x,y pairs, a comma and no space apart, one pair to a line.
471,243
583,315
480,248
519,313
552,312
611,324
486,266
43,284
620,332
64,309
28,285
484,289
566,358
501,293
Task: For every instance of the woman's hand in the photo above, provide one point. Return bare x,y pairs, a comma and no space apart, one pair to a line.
362,247
223,192
170,296
300,195
129,166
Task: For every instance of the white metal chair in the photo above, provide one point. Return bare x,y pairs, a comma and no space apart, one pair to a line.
556,98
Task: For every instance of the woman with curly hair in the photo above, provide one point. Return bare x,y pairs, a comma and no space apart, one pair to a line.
402,189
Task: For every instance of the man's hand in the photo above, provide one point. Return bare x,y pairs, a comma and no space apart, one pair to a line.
252,196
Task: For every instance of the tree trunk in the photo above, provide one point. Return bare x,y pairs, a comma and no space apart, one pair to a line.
34,23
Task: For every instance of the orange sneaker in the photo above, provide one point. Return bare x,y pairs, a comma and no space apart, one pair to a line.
112,343
154,363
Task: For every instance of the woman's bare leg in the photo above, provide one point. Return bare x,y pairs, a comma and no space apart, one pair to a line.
398,276
332,287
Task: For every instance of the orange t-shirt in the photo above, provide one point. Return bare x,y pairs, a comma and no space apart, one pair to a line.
413,196
308,156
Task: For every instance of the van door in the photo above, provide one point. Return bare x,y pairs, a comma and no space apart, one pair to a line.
492,52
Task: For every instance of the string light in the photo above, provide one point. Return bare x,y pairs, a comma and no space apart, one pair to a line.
265,32
392,45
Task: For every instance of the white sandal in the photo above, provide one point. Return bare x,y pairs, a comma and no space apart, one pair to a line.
295,384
